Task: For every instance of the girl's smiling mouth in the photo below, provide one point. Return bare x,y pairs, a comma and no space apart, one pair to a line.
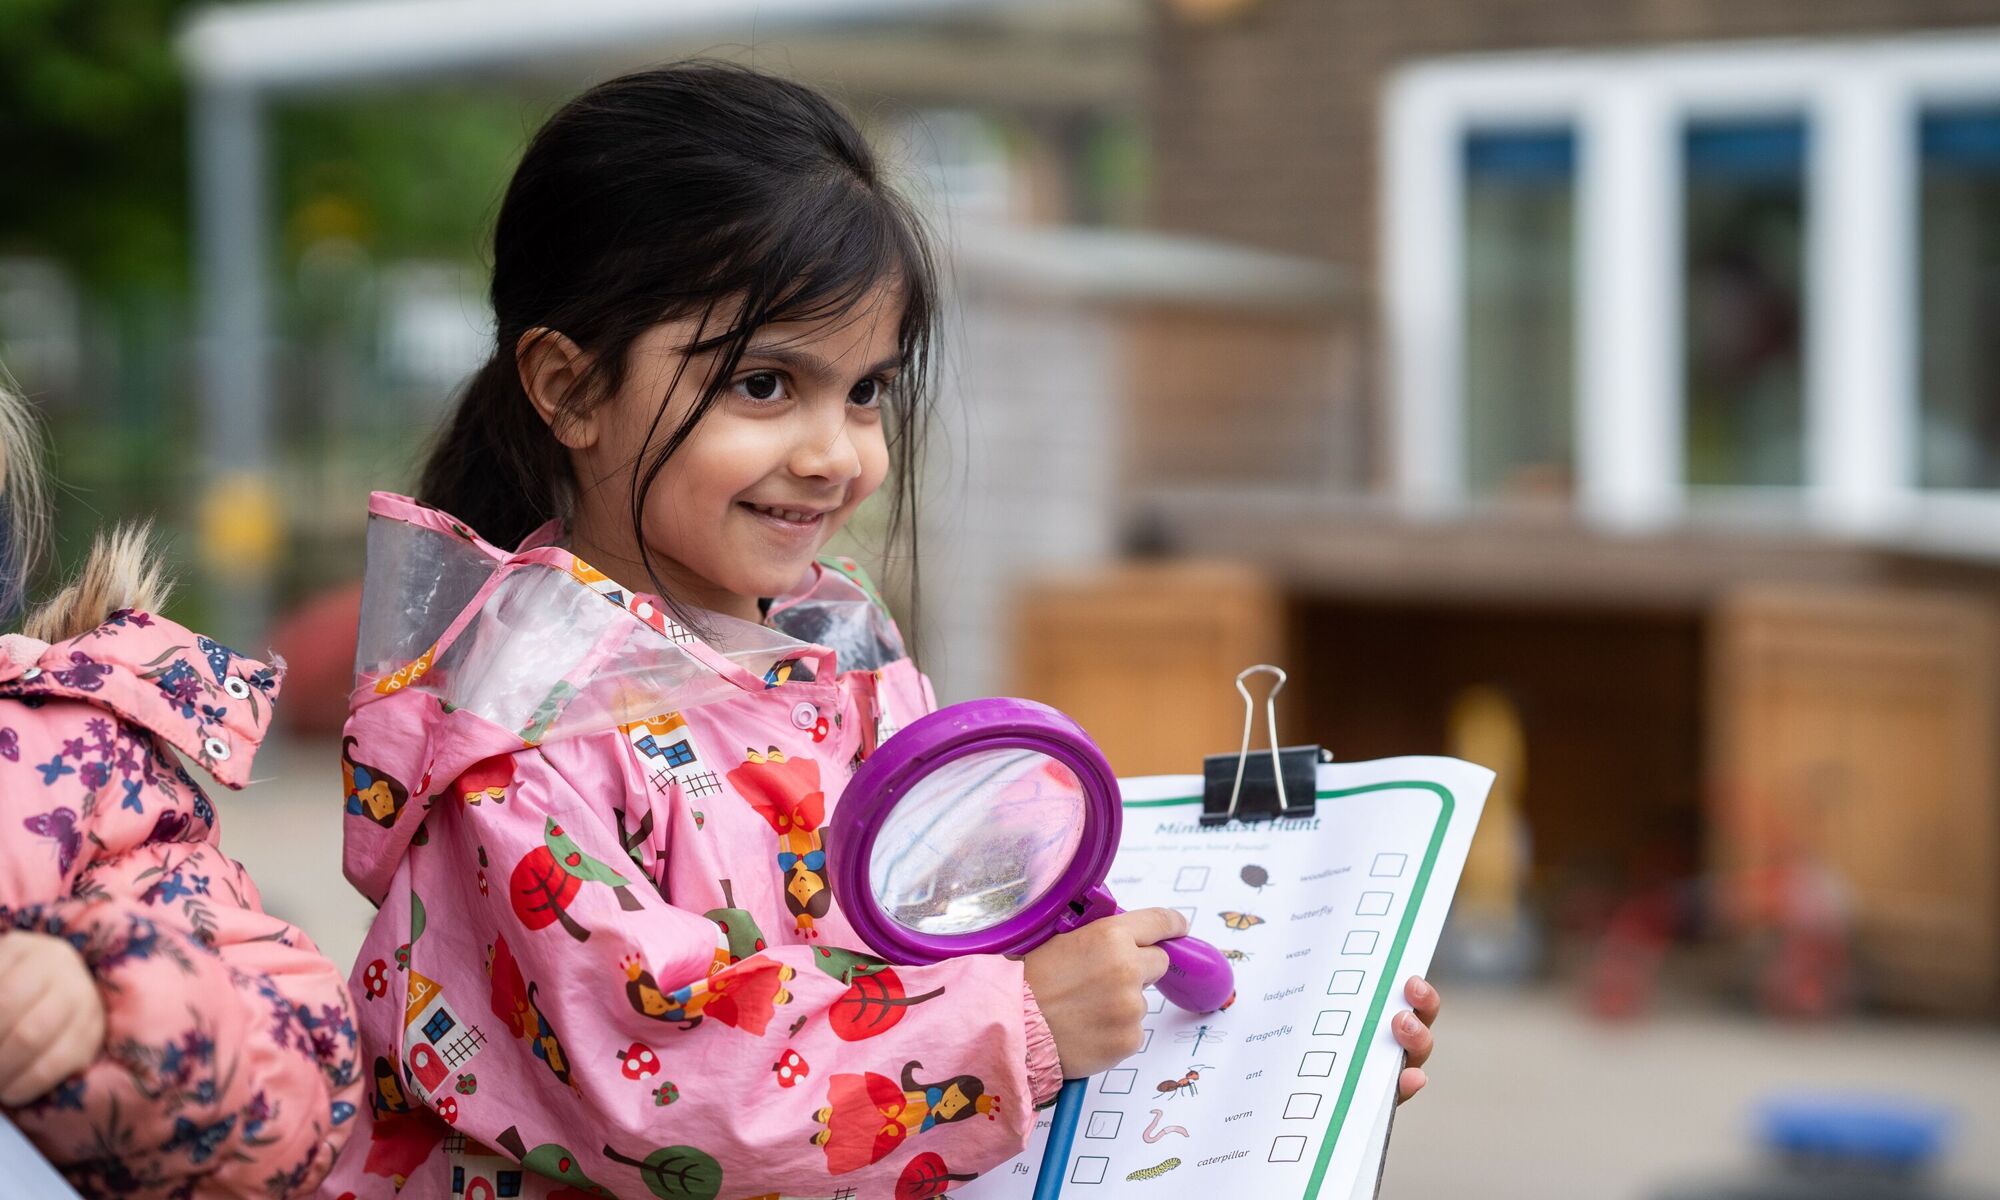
791,520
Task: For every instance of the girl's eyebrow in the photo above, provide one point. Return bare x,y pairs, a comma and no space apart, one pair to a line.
805,362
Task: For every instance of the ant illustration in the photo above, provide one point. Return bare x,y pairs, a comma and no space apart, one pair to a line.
1184,1085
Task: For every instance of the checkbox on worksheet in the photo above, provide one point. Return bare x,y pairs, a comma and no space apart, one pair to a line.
1303,1106
1344,983
1290,1148
1104,1124
1316,1064
1332,1023
1089,1168
1191,879
1360,941
1374,904
1389,866
1118,1081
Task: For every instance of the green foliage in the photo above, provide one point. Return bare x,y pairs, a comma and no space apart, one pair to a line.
95,136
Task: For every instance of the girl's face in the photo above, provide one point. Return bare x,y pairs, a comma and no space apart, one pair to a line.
791,447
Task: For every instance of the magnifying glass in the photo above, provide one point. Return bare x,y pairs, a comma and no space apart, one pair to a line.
987,828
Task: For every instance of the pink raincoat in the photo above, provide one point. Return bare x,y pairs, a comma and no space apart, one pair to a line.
608,960
229,1063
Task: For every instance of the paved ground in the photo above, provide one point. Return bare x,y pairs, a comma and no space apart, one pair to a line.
1529,1097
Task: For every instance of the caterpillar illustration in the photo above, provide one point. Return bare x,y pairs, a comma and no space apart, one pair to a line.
1154,1134
1154,1172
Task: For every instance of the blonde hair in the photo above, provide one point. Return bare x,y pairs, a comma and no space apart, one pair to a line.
120,573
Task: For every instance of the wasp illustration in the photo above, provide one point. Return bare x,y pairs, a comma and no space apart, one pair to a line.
1234,955
1185,1085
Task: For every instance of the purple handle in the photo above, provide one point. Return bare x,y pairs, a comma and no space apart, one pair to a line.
1198,978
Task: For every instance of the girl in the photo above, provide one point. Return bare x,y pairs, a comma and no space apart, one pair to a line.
160,1035
587,776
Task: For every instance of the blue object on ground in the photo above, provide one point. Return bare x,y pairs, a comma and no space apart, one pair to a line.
1880,1131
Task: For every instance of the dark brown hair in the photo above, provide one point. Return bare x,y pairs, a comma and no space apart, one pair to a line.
696,190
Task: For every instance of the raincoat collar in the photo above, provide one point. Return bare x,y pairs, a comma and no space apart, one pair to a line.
206,700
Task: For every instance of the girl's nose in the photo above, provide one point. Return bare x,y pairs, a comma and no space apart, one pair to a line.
820,456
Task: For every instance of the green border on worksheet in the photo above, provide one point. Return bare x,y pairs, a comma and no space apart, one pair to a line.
1392,968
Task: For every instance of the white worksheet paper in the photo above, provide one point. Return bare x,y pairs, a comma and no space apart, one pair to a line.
1287,1091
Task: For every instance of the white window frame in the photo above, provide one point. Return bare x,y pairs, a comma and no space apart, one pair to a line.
1860,101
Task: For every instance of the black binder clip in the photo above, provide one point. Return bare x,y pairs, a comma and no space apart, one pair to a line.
1282,783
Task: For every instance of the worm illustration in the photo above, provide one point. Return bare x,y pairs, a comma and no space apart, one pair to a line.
1154,1134
1154,1172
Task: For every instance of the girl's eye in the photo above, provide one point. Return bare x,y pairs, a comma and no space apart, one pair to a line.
867,393
762,385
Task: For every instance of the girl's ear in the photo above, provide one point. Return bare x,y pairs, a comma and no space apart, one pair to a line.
551,368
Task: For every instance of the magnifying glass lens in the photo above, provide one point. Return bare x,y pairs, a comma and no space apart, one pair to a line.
976,841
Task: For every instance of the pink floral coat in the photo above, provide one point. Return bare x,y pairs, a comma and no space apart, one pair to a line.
229,1058
608,959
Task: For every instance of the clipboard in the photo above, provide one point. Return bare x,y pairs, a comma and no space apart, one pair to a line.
1334,893
29,1175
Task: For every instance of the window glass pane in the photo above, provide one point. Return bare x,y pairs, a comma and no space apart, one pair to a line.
1745,220
1520,316
1959,300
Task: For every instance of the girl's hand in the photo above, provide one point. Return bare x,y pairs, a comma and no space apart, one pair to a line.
1413,1034
1089,984
51,1017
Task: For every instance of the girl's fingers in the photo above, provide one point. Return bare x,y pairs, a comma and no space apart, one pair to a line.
1415,1038
1149,925
1423,998
34,1027
1155,960
1409,1083
50,1053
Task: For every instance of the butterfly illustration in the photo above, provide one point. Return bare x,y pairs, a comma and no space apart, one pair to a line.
218,655
60,825
1240,920
84,673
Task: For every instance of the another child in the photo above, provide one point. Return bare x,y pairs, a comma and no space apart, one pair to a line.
160,1035
609,696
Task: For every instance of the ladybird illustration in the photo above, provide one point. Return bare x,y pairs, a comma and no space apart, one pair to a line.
790,1068
665,1094
467,1084
375,979
448,1109
638,1061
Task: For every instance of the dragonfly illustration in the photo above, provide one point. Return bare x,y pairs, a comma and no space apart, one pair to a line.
1198,1035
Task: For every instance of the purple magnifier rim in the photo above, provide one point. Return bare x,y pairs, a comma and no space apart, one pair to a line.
926,744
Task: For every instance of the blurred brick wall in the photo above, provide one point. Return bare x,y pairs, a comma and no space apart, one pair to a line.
1265,124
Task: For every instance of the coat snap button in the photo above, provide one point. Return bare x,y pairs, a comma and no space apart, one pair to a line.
217,749
804,714
32,673
236,687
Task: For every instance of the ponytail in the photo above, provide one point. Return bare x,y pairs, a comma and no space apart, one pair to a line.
120,573
496,466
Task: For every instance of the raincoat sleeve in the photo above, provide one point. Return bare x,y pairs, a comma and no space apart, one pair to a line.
648,1046
229,1042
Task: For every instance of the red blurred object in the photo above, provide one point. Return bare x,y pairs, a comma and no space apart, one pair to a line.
317,642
